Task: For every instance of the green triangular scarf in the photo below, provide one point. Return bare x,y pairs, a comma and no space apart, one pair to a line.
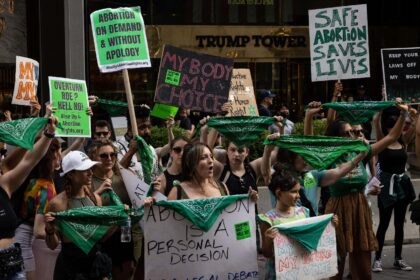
358,112
202,212
21,132
114,108
242,130
307,232
87,225
146,158
319,151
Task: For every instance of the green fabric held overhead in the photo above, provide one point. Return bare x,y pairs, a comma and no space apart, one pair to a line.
146,158
21,132
358,112
241,130
202,212
319,151
114,108
307,235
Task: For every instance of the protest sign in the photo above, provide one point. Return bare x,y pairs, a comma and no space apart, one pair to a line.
226,251
401,72
241,94
339,43
119,124
163,111
294,261
120,39
69,98
193,80
26,81
137,189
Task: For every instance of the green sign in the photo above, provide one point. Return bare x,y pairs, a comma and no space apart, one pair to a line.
243,231
69,99
163,111
120,39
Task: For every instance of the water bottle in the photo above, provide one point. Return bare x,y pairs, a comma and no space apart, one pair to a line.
126,231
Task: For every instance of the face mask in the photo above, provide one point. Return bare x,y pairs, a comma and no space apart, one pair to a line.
284,114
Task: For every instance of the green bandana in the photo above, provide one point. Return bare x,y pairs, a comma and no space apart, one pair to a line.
308,235
114,108
319,151
87,225
202,212
241,130
360,111
146,158
21,132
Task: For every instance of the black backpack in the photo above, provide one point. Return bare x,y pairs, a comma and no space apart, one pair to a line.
415,211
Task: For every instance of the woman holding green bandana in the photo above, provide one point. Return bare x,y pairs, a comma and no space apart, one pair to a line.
355,233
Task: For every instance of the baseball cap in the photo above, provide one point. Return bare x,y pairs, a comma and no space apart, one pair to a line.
266,93
76,160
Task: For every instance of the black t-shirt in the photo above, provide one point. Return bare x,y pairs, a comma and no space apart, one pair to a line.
8,218
263,111
239,185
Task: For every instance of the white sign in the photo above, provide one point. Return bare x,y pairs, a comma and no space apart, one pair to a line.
119,124
177,249
293,261
241,94
339,43
26,81
137,189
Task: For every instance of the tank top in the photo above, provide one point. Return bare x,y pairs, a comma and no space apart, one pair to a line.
76,202
170,181
181,194
393,161
239,185
8,218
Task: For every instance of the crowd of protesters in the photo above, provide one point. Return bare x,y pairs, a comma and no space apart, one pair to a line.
37,183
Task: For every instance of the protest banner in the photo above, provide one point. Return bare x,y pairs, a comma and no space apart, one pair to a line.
241,94
401,72
226,250
294,261
119,125
339,43
163,111
26,81
193,80
69,98
137,189
120,39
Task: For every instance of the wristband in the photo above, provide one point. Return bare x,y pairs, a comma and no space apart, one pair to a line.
49,135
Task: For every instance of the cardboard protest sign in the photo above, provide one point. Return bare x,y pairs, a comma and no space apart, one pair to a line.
293,261
339,43
120,39
401,71
26,81
226,251
137,189
193,80
69,98
241,94
119,124
163,111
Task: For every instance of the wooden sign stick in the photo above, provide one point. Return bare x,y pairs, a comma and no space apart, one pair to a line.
130,103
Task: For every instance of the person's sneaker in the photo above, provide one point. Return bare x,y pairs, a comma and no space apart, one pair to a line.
400,264
377,266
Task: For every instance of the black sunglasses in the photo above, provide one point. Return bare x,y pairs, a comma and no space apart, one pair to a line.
357,131
102,133
108,155
177,150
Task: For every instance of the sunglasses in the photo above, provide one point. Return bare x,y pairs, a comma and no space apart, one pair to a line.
177,150
348,133
357,131
102,133
241,181
108,155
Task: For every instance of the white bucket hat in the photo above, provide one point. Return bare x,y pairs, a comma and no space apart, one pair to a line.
76,160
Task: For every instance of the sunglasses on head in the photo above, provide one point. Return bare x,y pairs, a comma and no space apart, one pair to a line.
108,155
177,150
102,133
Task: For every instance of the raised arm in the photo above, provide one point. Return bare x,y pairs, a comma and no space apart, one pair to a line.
163,151
313,108
333,175
13,179
378,126
395,132
338,89
263,164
